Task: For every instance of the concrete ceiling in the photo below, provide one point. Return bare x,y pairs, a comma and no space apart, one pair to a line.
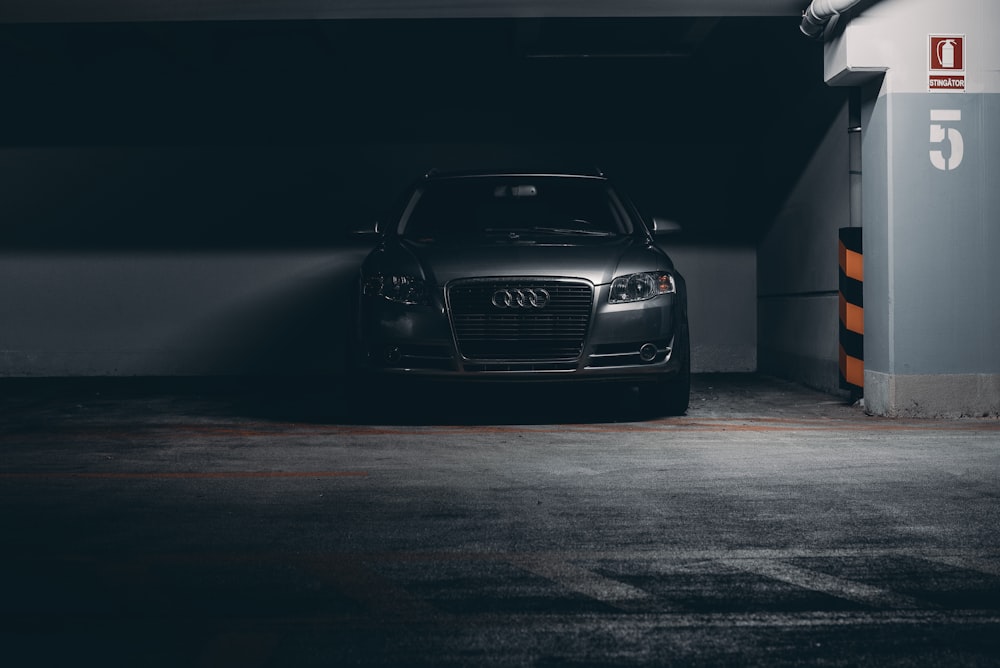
726,95
49,11
725,109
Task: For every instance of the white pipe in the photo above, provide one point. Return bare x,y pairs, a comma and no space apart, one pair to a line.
820,12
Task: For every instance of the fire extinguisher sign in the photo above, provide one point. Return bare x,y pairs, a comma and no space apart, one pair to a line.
946,63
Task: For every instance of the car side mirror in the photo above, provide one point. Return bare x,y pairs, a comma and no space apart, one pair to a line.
663,226
367,230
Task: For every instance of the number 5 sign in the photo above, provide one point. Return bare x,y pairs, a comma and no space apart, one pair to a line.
941,134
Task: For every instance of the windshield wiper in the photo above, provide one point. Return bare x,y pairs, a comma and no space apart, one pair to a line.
517,232
506,230
563,230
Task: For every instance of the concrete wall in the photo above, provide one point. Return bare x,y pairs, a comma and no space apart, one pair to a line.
722,290
212,260
932,313
797,269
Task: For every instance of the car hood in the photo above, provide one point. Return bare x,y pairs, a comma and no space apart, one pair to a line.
597,259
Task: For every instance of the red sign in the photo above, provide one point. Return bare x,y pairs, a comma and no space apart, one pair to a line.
946,66
955,82
947,52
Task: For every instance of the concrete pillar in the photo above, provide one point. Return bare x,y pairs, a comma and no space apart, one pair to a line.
931,209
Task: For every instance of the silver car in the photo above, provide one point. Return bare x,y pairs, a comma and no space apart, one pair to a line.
528,277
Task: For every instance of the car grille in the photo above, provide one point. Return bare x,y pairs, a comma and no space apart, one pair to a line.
520,333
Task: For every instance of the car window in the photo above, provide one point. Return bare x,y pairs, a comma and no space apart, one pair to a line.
544,205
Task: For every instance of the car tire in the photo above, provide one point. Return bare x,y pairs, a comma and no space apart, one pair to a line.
667,397
675,395
671,395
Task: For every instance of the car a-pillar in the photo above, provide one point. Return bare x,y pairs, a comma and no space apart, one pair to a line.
929,74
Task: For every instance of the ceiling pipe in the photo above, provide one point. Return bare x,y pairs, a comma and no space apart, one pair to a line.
819,13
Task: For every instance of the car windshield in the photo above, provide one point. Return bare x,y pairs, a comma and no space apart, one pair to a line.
513,206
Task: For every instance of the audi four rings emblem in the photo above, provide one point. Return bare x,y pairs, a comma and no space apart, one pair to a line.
530,298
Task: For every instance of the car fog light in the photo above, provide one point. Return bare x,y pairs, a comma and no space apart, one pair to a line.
392,355
648,352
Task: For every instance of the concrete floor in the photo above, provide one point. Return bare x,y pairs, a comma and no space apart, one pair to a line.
235,524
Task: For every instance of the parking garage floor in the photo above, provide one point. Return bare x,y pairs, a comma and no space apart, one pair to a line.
231,523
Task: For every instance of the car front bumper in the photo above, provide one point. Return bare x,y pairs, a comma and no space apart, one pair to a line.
634,341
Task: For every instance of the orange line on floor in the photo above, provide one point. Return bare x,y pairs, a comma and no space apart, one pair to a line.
710,424
152,475
666,425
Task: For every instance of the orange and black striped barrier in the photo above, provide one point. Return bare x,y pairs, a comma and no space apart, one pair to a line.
852,311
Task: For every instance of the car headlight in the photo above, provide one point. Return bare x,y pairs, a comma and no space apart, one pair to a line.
640,287
397,288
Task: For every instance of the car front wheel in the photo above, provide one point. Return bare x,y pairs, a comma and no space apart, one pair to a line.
671,394
668,397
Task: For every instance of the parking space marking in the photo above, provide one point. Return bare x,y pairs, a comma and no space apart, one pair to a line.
384,599
659,620
850,590
581,580
986,565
